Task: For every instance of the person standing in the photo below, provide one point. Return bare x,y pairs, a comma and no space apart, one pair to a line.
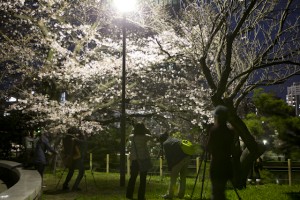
220,146
28,142
138,151
42,145
257,166
78,146
178,162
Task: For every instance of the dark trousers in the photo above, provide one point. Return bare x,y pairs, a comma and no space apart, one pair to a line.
134,172
76,165
40,167
218,189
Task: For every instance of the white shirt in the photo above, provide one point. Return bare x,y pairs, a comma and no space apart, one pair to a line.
139,143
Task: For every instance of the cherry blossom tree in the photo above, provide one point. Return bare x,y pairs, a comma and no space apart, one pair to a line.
75,49
238,46
179,64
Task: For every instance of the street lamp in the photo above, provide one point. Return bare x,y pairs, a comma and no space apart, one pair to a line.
124,7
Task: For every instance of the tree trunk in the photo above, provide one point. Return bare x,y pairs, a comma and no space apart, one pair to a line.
252,151
243,160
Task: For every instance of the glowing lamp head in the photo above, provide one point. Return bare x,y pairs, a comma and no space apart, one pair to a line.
265,142
125,6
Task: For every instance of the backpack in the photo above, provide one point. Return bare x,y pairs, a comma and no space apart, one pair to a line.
187,147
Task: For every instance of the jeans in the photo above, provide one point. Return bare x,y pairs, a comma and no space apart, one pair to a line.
180,169
134,172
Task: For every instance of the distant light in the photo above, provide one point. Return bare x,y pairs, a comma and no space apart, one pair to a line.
125,5
12,99
265,142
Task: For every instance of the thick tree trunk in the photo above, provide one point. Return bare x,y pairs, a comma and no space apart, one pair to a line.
253,150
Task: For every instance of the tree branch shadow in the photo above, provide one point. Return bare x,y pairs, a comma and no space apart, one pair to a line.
293,195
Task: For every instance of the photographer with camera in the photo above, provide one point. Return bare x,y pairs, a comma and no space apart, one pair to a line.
140,160
177,161
75,147
220,146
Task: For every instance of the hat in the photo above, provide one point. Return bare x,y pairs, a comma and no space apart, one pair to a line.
163,137
221,112
140,129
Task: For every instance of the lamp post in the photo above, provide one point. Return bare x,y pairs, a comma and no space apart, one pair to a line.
124,7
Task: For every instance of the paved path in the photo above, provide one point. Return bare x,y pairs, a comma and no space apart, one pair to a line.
2,186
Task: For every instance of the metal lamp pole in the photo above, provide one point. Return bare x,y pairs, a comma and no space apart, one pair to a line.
124,7
123,113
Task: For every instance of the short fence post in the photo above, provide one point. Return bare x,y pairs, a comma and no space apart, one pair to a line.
128,165
107,163
197,164
290,172
91,161
160,166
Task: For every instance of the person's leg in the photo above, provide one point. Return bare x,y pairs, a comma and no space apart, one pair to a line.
173,178
142,187
218,189
40,168
134,170
250,175
79,176
183,174
68,178
257,175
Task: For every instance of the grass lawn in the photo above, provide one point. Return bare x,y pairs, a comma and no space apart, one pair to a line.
104,186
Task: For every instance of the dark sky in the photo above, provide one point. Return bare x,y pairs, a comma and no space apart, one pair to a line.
281,90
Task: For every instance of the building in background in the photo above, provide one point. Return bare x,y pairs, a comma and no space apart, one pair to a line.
293,97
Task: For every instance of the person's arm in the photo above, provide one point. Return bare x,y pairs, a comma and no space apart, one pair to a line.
48,146
149,137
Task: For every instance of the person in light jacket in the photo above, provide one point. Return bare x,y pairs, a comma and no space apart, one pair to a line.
138,151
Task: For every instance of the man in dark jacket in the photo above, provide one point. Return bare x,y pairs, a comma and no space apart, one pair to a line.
79,147
42,145
220,146
177,162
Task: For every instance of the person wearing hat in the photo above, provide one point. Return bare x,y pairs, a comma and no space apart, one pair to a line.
178,162
220,145
138,151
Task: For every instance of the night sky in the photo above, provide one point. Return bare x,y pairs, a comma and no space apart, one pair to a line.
281,90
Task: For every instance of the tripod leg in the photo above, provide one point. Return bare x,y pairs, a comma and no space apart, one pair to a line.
203,175
199,169
85,181
60,178
236,192
93,177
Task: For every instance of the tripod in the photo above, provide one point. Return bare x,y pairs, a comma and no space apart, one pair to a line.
204,158
84,174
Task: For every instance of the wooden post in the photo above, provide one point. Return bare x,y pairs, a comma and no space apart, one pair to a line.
91,161
290,172
107,163
160,166
128,165
197,164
